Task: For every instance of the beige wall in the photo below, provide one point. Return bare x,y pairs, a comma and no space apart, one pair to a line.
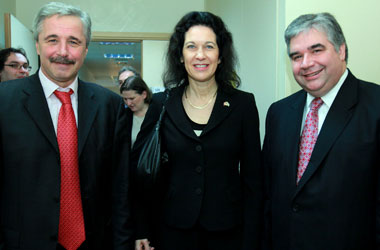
6,6
359,21
258,28
254,26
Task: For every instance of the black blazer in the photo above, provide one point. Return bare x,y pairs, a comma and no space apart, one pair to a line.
155,98
129,123
30,167
205,184
336,203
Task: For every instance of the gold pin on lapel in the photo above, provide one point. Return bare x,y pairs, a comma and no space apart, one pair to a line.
227,104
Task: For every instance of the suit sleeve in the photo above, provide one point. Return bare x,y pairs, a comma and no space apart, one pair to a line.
1,181
251,174
121,212
1,191
378,197
267,184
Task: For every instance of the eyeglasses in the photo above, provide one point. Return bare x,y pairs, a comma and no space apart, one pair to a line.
17,66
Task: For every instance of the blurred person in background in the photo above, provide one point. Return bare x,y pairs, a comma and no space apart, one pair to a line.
137,96
14,64
126,72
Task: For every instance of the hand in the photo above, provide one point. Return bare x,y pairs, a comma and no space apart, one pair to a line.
143,244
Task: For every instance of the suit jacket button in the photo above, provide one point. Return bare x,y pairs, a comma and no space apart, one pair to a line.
56,199
198,169
198,191
296,208
198,148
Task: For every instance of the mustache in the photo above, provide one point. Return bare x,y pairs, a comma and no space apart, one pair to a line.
61,59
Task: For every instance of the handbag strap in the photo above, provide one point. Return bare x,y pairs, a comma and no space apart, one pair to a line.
158,124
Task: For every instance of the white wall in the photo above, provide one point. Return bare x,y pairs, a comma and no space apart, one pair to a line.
253,25
152,69
121,15
359,22
127,16
21,37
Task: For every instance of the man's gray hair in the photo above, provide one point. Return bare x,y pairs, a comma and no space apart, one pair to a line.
323,22
128,68
61,9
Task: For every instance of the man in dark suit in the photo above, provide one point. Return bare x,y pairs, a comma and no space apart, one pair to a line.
321,149
57,192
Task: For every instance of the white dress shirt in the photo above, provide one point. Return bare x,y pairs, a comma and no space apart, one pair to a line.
327,99
53,102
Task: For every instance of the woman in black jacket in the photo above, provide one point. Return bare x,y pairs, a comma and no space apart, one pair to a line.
213,194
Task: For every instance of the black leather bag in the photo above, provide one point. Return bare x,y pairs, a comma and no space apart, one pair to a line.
151,158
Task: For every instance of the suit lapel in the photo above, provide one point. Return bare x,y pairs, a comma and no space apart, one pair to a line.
176,112
292,135
36,105
224,103
87,109
338,116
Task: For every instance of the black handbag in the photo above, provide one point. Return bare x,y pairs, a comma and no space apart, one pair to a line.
151,158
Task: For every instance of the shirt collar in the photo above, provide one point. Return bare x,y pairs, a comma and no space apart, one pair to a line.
49,87
329,98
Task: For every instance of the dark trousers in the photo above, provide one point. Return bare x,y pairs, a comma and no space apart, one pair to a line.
197,238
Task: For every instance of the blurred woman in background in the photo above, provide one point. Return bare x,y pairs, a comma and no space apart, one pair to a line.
137,96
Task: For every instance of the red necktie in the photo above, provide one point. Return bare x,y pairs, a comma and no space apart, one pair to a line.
71,223
309,137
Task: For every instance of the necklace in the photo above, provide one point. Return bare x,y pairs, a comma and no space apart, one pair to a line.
199,107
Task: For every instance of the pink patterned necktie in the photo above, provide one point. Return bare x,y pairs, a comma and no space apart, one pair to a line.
309,137
71,232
